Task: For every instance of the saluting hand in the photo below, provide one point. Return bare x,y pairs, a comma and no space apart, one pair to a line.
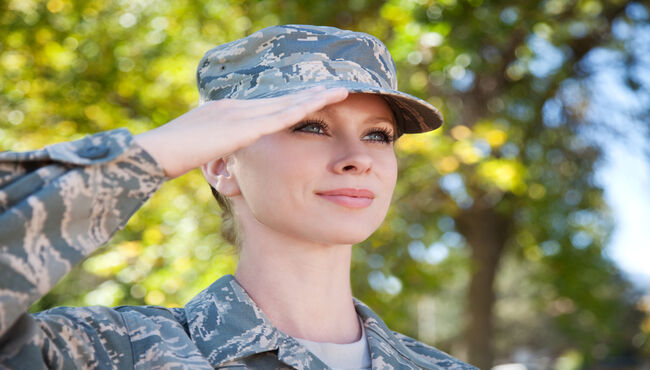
220,127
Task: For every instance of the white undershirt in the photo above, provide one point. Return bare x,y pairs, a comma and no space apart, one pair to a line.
347,356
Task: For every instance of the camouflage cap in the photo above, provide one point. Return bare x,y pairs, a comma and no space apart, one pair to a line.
280,60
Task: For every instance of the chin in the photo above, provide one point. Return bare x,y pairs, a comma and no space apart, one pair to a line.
348,240
348,233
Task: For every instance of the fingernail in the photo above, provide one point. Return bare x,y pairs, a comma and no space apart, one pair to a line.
337,89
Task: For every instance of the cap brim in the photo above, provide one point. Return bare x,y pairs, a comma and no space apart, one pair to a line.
413,115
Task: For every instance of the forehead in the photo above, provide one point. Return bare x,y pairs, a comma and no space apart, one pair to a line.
371,108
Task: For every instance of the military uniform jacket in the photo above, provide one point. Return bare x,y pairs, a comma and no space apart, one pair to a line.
60,203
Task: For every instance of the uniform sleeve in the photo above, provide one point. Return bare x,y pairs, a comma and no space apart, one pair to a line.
57,205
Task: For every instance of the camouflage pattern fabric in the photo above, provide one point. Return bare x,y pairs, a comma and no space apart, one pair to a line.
279,60
58,204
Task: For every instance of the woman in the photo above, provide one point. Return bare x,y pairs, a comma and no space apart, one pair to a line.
295,134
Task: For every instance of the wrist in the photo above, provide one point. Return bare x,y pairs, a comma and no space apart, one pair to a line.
151,145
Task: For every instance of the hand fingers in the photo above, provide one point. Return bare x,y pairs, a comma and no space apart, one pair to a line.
311,102
258,107
294,95
290,114
250,122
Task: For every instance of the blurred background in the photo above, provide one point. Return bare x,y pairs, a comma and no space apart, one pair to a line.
518,236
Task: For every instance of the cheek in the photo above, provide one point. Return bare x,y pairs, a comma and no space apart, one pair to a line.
387,170
275,176
388,177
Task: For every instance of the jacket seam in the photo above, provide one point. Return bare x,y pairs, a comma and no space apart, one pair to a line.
128,333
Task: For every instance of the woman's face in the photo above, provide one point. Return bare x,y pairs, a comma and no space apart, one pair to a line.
329,179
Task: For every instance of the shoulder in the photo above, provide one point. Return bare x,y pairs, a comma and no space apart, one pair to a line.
129,336
432,355
399,351
103,319
93,336
112,322
153,317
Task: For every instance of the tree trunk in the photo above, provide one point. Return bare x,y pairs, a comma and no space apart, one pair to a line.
486,233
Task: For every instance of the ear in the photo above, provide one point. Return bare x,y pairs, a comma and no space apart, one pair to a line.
217,173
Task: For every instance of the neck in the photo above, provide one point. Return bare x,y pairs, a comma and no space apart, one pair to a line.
302,287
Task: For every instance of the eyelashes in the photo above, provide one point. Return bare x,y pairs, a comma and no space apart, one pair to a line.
320,127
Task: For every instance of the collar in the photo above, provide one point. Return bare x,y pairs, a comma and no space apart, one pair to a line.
226,325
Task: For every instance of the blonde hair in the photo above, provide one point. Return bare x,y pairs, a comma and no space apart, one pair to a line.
229,229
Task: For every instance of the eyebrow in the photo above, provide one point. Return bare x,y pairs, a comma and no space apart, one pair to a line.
378,119
370,120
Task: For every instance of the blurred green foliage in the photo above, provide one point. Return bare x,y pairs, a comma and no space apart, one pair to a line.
496,216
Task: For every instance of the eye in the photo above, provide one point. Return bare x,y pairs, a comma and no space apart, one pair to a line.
319,127
312,126
380,135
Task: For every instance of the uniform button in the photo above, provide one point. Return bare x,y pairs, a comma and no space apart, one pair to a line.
93,151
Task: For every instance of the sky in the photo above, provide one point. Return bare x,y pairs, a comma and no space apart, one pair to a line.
621,113
625,176
625,172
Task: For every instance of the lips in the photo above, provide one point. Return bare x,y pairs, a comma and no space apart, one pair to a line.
348,192
348,197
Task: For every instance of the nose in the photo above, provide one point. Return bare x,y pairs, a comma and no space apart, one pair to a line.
352,159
